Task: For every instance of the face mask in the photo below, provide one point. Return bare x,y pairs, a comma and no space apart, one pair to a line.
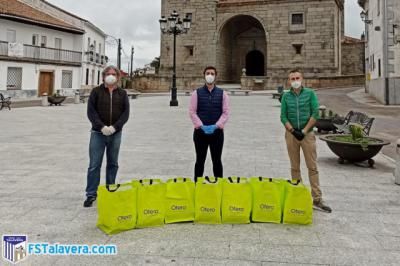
296,84
110,80
210,79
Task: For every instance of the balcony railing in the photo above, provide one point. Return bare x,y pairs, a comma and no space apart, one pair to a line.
96,58
43,54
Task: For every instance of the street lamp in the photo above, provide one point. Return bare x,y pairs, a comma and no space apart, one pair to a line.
174,26
364,17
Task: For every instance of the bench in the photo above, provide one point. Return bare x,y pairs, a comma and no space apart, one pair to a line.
246,92
279,93
5,102
84,97
132,95
355,117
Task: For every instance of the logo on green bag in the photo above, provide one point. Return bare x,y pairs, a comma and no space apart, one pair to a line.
150,212
298,212
235,209
204,209
178,208
266,207
124,218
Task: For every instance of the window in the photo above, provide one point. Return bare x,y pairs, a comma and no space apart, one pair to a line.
58,43
88,44
87,76
66,79
14,78
99,48
98,77
11,36
297,22
94,46
379,68
189,15
43,43
297,47
35,40
190,50
297,19
379,7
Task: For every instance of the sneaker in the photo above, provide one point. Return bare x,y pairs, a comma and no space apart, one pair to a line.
89,202
320,205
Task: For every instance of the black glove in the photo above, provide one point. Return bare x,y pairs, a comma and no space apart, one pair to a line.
298,134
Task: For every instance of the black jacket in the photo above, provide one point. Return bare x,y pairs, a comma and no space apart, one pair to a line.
102,113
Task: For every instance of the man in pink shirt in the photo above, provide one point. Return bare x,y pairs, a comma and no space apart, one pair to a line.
209,111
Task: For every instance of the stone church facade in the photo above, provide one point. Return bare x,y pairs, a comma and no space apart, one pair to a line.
256,42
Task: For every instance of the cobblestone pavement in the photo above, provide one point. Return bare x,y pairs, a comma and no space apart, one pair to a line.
44,157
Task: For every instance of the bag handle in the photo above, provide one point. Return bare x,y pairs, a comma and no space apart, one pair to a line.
183,179
298,181
209,181
231,180
261,179
112,190
150,181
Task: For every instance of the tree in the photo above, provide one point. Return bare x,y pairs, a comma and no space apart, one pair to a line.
156,63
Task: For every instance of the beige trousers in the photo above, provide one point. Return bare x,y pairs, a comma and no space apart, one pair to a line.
308,145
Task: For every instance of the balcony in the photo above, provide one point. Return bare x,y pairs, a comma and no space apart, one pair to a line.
37,54
96,58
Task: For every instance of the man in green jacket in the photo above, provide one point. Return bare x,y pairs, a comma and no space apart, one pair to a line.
299,113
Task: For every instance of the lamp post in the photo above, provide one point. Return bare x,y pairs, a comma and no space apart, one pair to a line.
119,50
174,26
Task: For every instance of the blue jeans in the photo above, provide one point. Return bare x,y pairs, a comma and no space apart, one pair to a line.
98,144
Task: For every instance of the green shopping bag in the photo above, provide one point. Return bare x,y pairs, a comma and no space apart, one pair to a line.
150,202
268,198
208,194
236,200
116,208
179,200
298,208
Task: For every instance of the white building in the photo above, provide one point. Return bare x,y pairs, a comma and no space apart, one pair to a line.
382,50
44,49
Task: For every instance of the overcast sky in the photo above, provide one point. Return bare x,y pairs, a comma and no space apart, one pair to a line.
136,23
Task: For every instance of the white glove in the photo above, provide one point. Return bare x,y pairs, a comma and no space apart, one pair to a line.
111,129
106,131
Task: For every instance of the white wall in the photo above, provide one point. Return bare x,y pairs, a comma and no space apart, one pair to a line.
94,36
30,76
375,40
24,33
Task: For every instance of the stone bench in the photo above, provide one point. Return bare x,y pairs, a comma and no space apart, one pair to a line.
133,95
246,92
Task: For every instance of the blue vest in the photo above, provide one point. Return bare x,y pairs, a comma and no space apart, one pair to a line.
209,105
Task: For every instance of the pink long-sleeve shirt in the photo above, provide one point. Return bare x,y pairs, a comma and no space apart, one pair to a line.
196,119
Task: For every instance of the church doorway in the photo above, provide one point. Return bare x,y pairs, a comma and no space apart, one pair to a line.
241,44
255,63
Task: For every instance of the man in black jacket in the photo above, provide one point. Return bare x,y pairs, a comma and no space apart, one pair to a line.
108,111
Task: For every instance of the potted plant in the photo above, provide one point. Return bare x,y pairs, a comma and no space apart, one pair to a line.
354,147
326,121
56,98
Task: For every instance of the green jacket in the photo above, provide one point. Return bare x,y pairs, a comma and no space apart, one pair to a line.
298,109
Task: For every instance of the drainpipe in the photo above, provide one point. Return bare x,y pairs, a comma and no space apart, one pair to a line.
385,52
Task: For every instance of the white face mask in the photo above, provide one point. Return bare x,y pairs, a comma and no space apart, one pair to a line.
110,80
296,84
210,79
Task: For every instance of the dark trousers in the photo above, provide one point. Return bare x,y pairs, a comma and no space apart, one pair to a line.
201,143
98,145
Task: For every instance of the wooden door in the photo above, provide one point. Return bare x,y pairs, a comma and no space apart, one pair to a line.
46,83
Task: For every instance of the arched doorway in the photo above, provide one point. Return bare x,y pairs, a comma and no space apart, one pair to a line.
241,44
255,63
